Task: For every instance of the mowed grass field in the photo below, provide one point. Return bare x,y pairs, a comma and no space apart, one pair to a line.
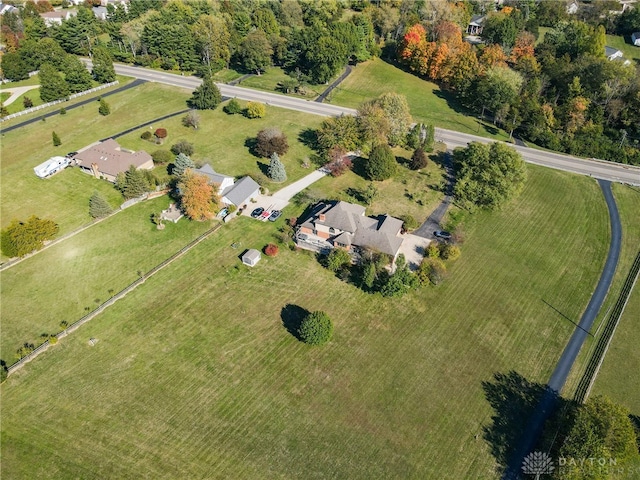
628,201
427,102
617,377
194,375
65,197
84,271
224,141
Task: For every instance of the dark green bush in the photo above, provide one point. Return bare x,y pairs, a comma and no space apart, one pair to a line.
316,328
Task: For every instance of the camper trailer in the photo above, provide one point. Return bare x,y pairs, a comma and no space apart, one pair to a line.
51,166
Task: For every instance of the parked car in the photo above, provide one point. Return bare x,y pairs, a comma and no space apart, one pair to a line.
257,212
275,215
71,154
442,234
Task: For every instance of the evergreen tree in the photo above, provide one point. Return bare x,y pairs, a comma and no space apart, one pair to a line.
206,96
181,164
136,183
52,85
76,74
104,108
381,164
98,206
13,67
103,70
56,139
276,170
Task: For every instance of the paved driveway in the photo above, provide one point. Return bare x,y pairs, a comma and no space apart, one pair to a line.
16,92
413,248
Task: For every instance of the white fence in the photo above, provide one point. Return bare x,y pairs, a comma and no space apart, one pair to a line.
55,102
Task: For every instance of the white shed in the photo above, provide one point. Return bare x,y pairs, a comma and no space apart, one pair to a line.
251,257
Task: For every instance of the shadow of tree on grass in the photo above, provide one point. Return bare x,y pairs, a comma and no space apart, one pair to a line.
292,316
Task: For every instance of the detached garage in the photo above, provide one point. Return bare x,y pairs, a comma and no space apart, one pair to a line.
251,257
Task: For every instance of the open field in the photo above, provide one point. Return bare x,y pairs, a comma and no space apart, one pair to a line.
270,79
628,200
194,374
428,103
88,267
223,141
617,377
65,196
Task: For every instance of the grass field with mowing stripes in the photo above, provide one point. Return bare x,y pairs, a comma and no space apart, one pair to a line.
195,376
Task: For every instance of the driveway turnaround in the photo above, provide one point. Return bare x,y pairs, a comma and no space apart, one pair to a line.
549,401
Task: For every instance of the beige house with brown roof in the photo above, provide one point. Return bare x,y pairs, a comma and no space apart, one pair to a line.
108,158
344,225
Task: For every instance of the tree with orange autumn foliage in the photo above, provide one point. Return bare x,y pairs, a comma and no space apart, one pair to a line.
523,47
199,199
493,56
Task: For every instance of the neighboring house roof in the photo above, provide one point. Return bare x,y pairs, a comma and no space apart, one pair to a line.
477,21
100,12
6,8
242,191
58,15
612,53
635,38
354,228
214,177
109,157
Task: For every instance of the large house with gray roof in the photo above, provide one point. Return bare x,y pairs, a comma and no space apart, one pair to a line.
344,225
232,193
107,159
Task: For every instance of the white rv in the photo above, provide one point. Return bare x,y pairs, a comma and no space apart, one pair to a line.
51,166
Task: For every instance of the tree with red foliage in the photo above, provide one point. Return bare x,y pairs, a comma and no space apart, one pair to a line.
271,250
161,133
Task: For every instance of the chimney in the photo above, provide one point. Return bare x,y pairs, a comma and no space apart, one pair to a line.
321,217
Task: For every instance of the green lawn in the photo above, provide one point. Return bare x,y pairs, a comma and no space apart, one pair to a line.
18,104
427,102
270,79
226,75
630,51
4,96
221,140
65,196
34,80
617,377
628,200
194,375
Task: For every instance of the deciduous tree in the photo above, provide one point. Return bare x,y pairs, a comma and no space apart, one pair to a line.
271,140
20,238
255,52
199,198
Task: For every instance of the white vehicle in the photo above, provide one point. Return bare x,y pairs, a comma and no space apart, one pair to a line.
51,166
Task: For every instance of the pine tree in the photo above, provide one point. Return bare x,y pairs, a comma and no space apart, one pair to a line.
103,70
56,139
181,164
276,170
136,183
98,206
207,96
52,85
104,108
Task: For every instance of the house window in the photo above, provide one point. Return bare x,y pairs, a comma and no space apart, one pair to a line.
332,230
315,232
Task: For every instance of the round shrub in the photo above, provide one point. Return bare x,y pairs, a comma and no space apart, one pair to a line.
162,156
381,163
255,110
182,147
233,107
408,223
449,252
146,135
271,250
316,328
161,133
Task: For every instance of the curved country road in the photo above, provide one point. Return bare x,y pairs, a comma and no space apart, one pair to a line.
549,401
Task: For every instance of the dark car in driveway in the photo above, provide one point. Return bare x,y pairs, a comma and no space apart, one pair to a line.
442,235
275,215
257,212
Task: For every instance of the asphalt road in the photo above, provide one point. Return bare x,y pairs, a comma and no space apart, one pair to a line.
614,172
549,401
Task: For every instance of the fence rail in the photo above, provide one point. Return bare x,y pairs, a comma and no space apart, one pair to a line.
595,362
78,323
56,102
